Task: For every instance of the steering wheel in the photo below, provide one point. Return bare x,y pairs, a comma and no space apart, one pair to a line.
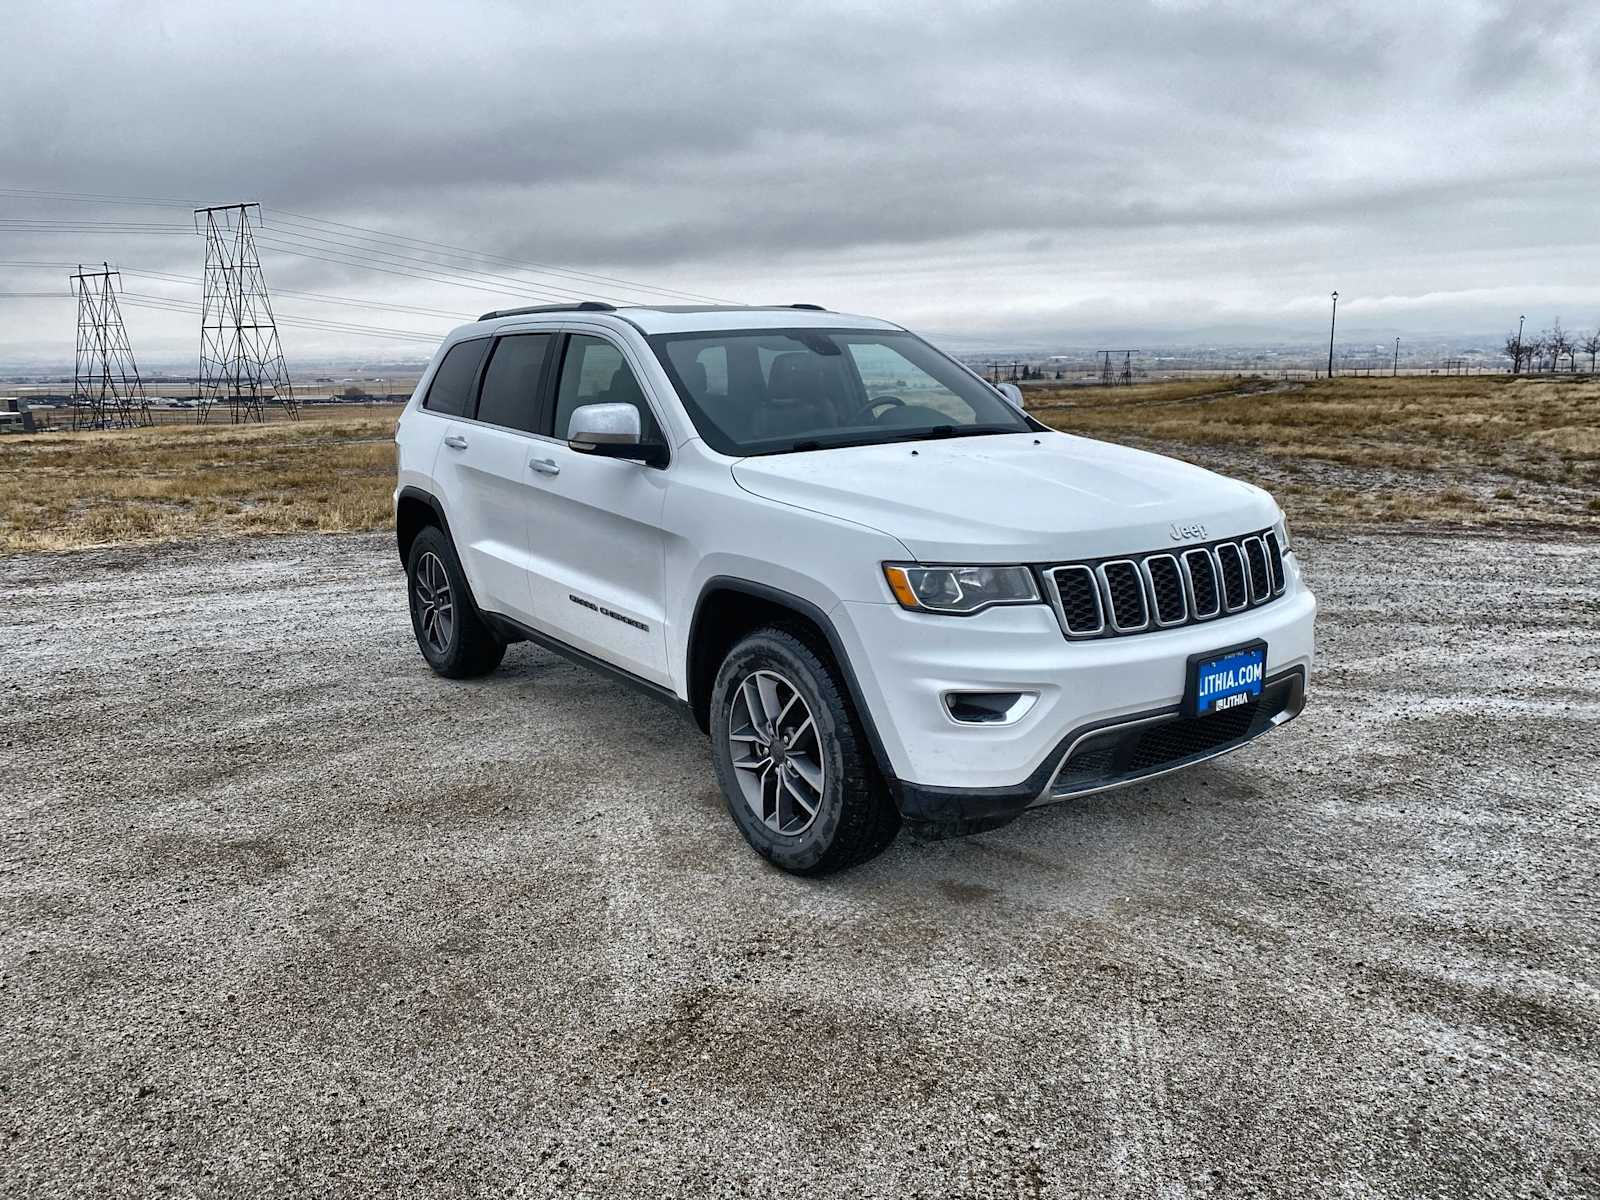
875,402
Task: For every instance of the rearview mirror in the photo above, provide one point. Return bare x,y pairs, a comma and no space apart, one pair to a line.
612,431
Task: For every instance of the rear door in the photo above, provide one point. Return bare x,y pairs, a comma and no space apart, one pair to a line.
595,533
483,464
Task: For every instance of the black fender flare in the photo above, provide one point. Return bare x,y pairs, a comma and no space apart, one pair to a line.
412,492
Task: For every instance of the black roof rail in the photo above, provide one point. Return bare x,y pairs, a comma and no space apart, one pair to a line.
811,307
580,306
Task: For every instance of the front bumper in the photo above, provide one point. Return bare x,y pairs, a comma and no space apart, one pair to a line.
1090,694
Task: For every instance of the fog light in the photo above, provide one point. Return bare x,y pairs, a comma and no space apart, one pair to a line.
988,708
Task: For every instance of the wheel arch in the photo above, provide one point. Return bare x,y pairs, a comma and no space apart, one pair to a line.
728,608
414,510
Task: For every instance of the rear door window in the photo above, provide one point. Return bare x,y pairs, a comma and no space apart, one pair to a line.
511,383
450,393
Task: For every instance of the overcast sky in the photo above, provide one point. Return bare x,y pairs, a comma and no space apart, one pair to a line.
1038,172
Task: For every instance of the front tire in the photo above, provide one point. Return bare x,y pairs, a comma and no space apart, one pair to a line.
450,633
791,758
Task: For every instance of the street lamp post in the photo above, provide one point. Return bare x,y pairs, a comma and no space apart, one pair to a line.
1516,366
1396,372
1332,321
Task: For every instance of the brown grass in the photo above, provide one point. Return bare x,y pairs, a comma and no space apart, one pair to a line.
332,471
1480,450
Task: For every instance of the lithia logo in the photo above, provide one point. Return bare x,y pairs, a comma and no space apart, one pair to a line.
1187,533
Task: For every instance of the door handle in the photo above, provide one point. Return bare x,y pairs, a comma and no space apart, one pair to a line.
545,466
455,441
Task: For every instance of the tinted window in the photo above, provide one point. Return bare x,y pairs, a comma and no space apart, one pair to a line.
594,372
773,391
511,384
450,393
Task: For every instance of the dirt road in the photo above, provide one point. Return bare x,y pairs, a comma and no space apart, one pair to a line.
282,913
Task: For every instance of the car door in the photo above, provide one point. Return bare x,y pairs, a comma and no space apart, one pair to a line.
483,464
595,531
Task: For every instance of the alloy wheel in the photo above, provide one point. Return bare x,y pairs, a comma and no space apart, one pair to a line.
436,612
776,752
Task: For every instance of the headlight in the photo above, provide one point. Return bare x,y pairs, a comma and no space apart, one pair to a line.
1282,530
959,589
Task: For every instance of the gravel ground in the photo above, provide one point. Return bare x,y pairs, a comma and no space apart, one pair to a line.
282,913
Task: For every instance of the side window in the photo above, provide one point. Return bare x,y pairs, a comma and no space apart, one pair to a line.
594,372
511,384
450,393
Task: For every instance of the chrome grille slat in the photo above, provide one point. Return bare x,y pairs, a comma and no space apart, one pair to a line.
1165,589
1235,587
1122,590
1274,561
1205,586
1075,591
1256,570
1163,582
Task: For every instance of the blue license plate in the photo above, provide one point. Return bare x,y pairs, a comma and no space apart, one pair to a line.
1225,679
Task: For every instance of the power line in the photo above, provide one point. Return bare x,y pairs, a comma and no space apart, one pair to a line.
305,222
333,245
190,307
567,272
96,198
191,281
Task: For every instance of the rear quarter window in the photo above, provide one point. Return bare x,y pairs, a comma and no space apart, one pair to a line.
450,393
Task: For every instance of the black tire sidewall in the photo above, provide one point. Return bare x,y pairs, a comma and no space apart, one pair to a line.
433,541
764,651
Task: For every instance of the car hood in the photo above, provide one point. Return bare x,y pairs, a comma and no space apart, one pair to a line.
1028,497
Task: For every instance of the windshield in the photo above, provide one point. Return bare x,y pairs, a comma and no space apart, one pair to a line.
759,391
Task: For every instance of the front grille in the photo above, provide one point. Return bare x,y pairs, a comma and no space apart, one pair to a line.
1123,754
1162,590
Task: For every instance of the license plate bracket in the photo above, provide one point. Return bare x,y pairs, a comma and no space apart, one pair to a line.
1220,680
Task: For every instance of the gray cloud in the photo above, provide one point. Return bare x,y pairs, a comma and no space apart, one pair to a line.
1052,168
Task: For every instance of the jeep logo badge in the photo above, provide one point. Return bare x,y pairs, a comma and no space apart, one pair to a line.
1187,533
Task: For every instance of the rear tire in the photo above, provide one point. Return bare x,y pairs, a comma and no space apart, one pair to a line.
793,763
450,633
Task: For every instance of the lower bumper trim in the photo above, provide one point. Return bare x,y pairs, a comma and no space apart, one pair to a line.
1108,754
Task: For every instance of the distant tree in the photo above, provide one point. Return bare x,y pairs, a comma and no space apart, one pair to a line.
1558,342
354,394
1534,350
1514,350
1591,346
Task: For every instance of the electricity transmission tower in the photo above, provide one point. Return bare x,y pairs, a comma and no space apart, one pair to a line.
106,390
241,359
1108,375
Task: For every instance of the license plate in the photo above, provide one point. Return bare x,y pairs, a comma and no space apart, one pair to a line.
1225,679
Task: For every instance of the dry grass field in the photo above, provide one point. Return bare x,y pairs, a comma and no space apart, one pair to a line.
1482,452
1477,451
331,471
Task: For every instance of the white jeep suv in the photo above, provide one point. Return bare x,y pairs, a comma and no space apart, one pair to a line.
887,593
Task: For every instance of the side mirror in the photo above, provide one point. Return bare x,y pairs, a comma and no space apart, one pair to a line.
1012,393
611,431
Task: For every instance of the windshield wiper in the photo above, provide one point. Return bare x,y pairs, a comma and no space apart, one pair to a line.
950,431
846,441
